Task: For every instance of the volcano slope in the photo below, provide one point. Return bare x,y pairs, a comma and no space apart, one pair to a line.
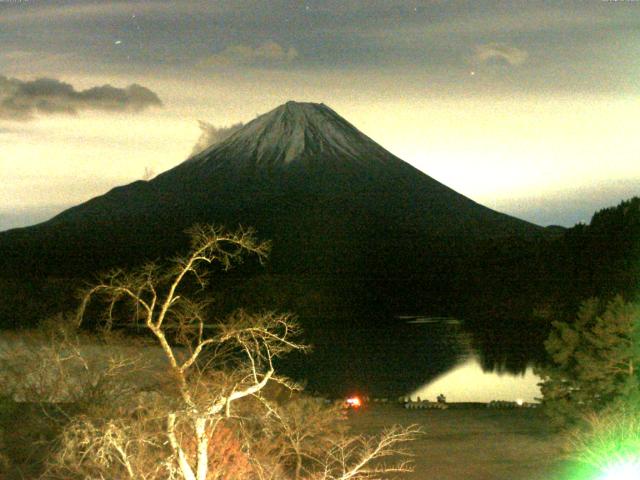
329,197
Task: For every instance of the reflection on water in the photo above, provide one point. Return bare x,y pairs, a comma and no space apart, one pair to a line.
384,356
391,356
468,382
419,320
468,379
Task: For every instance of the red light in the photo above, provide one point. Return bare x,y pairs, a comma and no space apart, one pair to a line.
354,402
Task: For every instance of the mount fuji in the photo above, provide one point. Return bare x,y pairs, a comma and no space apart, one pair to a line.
330,198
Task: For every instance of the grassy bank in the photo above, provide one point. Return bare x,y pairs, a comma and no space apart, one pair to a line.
473,443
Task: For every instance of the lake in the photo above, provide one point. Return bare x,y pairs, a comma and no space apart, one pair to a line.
414,356
467,380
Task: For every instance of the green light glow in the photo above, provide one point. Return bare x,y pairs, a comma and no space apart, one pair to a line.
616,469
623,471
608,448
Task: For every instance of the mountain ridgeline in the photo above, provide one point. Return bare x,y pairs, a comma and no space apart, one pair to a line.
330,199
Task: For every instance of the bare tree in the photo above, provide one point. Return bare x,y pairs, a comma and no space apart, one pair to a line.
148,174
212,388
246,345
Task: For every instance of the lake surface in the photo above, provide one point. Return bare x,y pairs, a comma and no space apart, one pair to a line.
405,355
467,380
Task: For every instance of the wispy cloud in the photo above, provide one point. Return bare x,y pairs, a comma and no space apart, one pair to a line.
499,53
27,12
24,99
267,53
210,135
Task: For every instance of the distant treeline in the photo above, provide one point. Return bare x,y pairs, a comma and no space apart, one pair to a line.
603,257
452,276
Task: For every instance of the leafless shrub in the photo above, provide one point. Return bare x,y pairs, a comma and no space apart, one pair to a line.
57,363
367,458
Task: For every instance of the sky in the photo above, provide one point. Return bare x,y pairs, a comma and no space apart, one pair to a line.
528,107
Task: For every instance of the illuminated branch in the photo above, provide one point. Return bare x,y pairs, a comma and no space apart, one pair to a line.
216,371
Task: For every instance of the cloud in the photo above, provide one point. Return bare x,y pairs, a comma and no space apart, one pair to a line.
46,12
499,53
268,53
24,99
210,135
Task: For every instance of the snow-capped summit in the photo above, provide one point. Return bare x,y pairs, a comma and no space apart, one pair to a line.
306,133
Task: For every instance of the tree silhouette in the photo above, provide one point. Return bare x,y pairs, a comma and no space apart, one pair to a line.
594,360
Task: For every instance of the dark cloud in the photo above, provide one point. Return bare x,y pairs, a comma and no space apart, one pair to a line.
265,54
24,99
435,40
210,135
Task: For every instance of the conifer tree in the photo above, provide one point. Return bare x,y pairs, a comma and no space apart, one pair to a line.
595,360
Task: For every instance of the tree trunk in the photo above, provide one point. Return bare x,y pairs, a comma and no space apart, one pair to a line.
183,463
298,464
203,445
